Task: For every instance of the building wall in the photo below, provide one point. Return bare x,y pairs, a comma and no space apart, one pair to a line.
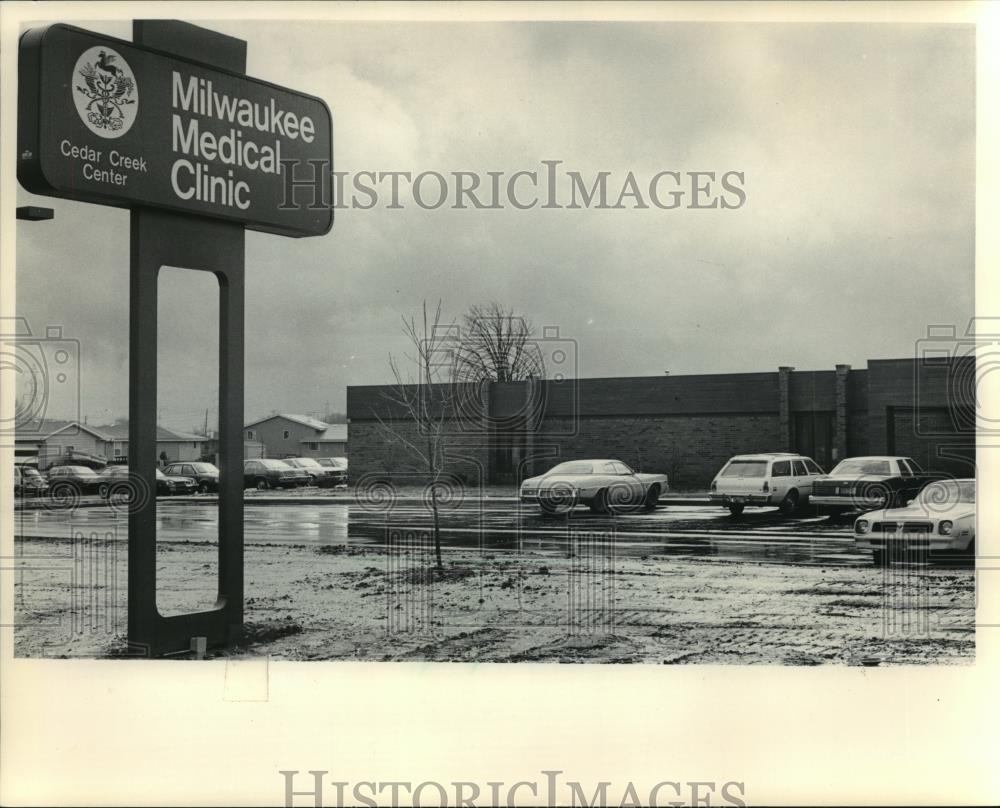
180,450
929,437
687,426
59,444
276,445
324,449
689,448
377,455
857,433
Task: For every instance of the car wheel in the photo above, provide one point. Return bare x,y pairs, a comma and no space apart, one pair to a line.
652,498
600,503
262,484
64,495
789,504
735,509
878,558
103,491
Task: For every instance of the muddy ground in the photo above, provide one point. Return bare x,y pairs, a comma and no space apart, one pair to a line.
585,605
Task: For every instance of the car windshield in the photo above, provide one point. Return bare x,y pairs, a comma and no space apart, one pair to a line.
573,468
745,468
115,471
82,471
862,465
30,472
203,468
274,464
307,463
944,493
160,475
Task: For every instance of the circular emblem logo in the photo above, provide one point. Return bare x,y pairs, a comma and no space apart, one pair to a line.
105,92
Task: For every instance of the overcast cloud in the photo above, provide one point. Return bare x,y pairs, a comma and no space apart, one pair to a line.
856,142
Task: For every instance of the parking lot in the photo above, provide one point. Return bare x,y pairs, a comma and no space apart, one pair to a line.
339,577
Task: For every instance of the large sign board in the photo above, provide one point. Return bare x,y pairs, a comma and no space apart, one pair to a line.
107,121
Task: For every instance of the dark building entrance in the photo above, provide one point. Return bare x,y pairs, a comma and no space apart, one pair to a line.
814,437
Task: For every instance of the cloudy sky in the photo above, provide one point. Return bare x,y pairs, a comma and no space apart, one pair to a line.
856,142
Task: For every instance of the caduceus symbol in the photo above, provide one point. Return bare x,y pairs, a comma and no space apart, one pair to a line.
108,89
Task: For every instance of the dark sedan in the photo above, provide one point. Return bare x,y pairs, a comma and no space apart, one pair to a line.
68,481
264,474
206,475
871,483
116,482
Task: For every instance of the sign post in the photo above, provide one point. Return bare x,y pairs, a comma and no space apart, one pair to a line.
170,127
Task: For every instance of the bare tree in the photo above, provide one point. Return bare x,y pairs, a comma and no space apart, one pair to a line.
425,402
497,345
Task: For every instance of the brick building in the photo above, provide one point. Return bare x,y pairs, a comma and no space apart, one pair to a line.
686,426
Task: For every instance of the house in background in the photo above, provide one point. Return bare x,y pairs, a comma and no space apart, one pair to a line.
28,437
291,435
110,444
252,449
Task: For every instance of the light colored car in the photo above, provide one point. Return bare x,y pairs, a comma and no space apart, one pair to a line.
320,475
872,482
28,481
784,479
336,467
941,518
607,486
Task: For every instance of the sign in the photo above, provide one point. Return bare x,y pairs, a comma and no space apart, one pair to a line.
108,121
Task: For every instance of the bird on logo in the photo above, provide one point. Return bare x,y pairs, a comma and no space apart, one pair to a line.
104,61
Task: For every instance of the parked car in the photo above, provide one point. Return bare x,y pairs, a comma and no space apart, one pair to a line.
784,479
607,486
115,482
264,474
206,475
28,482
67,481
871,483
72,458
338,467
318,474
941,518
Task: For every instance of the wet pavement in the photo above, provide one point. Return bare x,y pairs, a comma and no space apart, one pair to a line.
675,531
684,584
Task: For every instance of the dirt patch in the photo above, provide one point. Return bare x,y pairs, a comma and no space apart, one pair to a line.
367,603
262,633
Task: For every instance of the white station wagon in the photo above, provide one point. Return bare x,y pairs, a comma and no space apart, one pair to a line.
770,478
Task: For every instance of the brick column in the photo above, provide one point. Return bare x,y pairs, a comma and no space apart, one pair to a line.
528,425
840,419
784,407
488,440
